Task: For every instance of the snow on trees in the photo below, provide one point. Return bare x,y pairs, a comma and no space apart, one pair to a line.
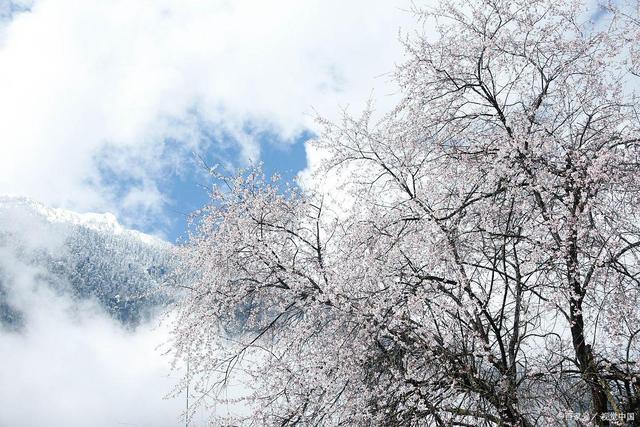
486,271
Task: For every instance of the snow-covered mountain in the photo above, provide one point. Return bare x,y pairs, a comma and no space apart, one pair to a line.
85,256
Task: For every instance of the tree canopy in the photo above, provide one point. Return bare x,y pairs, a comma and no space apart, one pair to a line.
483,266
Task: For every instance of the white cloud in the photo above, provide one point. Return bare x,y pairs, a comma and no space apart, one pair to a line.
81,78
73,366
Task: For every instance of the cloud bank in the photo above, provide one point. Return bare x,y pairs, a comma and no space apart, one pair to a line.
101,101
74,366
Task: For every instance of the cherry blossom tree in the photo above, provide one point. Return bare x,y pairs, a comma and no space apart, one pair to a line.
482,265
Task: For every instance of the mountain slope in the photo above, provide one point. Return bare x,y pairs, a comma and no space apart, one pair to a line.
84,256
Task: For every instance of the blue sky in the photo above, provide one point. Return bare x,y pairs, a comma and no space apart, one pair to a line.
188,191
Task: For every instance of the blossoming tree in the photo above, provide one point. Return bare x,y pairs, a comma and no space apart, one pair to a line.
484,266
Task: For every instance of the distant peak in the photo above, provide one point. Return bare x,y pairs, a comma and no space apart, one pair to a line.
101,222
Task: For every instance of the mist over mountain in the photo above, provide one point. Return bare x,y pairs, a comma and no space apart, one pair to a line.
80,333
88,256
